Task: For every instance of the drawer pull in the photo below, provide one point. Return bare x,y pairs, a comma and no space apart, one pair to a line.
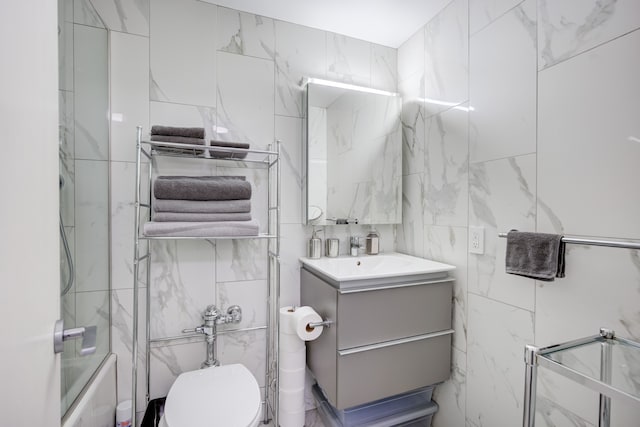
394,342
395,286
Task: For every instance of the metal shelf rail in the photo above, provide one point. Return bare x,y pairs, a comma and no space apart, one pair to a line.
599,362
269,159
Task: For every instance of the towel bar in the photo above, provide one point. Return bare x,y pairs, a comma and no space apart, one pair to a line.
596,242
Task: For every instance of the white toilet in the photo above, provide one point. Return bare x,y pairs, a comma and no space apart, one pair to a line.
222,396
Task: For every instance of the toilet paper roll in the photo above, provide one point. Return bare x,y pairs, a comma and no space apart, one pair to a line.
302,317
291,419
290,343
286,323
296,320
292,360
291,379
292,400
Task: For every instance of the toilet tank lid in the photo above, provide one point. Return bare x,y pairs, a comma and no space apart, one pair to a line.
228,394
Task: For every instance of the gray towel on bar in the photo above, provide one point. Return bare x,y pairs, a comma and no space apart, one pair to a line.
225,154
178,139
199,217
202,188
202,206
177,131
536,255
201,229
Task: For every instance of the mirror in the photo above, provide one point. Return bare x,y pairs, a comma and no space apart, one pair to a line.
353,155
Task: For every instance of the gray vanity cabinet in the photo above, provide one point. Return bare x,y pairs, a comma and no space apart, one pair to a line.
386,338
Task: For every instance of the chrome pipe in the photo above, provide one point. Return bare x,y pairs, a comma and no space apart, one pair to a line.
530,379
134,333
67,252
596,242
606,360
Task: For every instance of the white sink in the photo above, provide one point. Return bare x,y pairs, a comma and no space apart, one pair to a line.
390,264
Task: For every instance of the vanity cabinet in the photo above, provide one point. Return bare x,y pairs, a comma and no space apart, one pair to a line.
388,337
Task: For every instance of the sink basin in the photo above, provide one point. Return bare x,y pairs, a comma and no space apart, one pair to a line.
367,267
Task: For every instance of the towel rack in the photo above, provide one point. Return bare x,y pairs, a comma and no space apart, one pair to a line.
596,242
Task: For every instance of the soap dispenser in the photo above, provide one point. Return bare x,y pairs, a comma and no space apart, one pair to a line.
315,246
373,242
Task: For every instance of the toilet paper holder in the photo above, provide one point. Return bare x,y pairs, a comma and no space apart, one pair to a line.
327,323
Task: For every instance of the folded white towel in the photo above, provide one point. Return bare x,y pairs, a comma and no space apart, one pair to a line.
201,229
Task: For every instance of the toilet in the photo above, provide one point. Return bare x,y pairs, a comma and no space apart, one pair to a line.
221,396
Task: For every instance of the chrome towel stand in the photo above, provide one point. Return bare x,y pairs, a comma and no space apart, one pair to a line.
596,242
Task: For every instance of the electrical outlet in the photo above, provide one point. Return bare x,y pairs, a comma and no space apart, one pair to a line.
476,240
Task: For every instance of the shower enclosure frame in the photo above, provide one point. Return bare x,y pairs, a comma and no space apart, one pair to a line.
266,159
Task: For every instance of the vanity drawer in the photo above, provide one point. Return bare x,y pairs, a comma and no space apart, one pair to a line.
401,311
374,372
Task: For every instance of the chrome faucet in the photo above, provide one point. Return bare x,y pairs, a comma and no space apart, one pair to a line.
354,245
211,318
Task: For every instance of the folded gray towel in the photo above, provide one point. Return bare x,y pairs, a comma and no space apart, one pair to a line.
178,139
199,217
202,206
201,229
535,255
202,188
225,154
177,131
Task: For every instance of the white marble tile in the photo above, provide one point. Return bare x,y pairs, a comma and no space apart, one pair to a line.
451,395
446,168
495,372
246,348
66,161
250,295
569,28
183,37
348,59
411,90
92,225
293,241
384,68
502,86
447,58
411,56
580,146
170,114
126,17
65,54
129,63
246,99
289,131
300,52
91,93
245,33
122,223
410,232
449,245
241,260
84,13
484,12
167,362
502,196
182,285
122,343
551,413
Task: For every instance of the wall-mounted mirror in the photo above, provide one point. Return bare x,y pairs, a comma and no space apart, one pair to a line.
353,155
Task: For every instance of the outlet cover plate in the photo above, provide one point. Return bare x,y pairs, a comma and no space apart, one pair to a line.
476,240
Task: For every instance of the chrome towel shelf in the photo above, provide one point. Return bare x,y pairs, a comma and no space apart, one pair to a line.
596,242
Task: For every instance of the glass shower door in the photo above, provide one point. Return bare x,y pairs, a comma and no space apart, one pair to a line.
84,189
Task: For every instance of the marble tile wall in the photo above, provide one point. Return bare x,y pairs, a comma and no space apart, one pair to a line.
537,130
191,63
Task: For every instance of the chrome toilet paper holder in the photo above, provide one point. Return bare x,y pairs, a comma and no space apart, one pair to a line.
327,323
